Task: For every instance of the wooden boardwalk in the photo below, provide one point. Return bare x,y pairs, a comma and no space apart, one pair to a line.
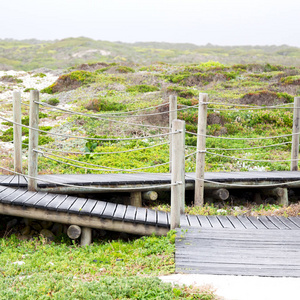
227,245
90,183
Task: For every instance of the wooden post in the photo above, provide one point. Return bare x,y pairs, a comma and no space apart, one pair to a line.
295,137
136,199
17,132
200,158
219,194
172,117
150,195
33,140
86,236
178,173
281,195
74,232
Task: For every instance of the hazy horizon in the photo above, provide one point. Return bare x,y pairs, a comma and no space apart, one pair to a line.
198,22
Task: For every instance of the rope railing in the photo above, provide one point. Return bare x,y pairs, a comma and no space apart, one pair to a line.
89,187
87,138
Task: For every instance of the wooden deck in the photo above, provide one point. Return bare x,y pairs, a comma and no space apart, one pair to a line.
90,183
227,245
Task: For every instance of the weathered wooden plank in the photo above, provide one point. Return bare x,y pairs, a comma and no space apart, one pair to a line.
288,223
256,222
278,223
140,216
130,214
225,222
56,202
236,222
44,201
64,207
34,199
13,196
25,197
151,217
193,220
184,220
214,221
246,222
267,222
99,208
120,212
204,222
295,220
109,210
6,192
88,207
162,218
77,206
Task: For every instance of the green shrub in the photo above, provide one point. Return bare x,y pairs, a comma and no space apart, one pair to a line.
124,69
53,101
102,104
142,88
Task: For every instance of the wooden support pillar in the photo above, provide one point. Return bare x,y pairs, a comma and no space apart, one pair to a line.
178,173
151,195
136,199
17,129
74,232
200,159
295,137
86,236
172,117
281,195
33,140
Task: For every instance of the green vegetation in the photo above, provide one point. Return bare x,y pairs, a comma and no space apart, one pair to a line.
142,88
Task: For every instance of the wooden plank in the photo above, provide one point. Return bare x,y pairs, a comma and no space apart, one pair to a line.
246,222
88,207
45,201
6,192
295,220
236,222
99,208
77,206
140,216
109,210
255,221
162,219
204,222
2,188
120,212
13,196
34,199
130,214
25,197
193,220
64,207
225,222
287,222
267,222
278,223
184,220
151,217
56,202
214,221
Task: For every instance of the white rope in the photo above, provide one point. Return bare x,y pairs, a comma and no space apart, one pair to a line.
244,185
227,138
247,105
86,138
103,119
89,187
97,169
100,153
255,160
241,149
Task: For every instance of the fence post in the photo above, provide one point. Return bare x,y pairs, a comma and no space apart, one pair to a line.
200,158
295,137
178,172
17,129
172,117
33,140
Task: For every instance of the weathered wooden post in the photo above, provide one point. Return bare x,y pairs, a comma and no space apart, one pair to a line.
86,236
200,158
295,137
178,172
172,117
17,132
33,140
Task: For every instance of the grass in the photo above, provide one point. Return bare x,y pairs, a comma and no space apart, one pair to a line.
110,269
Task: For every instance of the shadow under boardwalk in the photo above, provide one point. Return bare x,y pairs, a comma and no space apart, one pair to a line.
239,251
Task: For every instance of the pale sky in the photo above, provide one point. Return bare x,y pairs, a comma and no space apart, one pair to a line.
219,22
